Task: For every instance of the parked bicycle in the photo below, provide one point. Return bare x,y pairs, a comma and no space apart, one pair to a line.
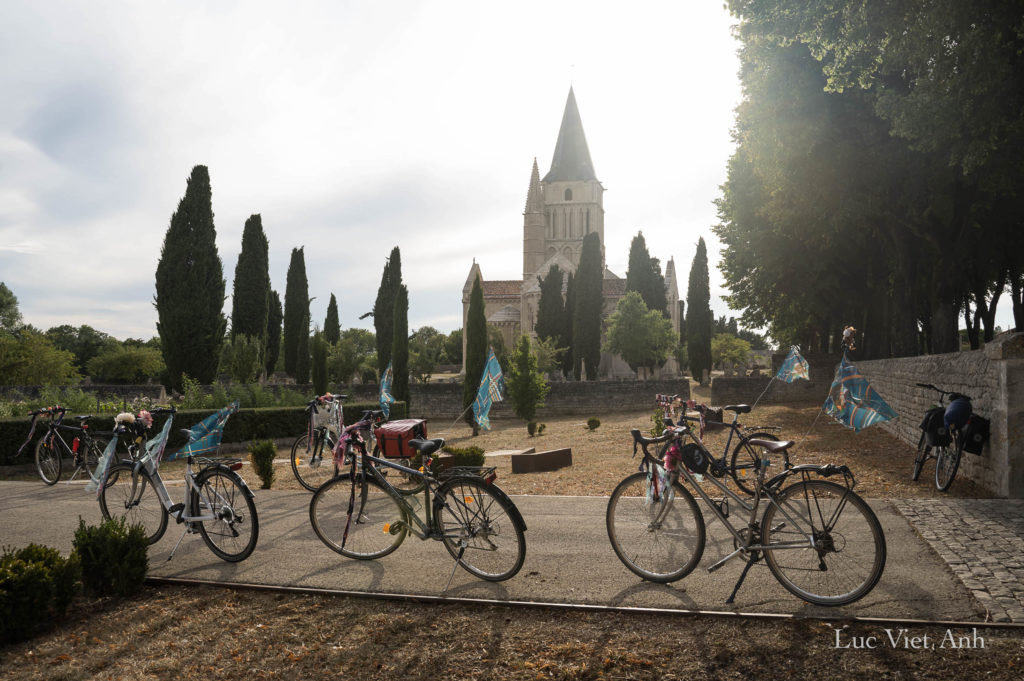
742,467
942,436
360,514
217,503
52,448
821,541
312,456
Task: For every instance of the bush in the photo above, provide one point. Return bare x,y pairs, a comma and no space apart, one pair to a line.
262,456
541,427
657,422
593,422
113,556
466,456
36,586
531,428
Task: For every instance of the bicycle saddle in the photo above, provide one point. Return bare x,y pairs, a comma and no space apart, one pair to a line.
738,408
426,447
771,446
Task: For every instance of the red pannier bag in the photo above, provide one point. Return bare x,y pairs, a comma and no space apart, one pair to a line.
393,437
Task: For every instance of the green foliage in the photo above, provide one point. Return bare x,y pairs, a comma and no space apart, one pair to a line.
27,357
83,342
728,348
113,557
242,358
466,456
541,427
593,423
10,316
568,358
657,423
453,347
319,363
303,359
644,276
332,326
551,307
531,428
262,454
190,287
36,586
275,316
384,308
586,329
526,386
426,351
476,348
644,338
698,314
353,352
250,301
400,345
126,364
549,357
296,315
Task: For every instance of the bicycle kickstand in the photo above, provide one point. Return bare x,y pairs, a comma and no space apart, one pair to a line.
462,550
178,543
755,556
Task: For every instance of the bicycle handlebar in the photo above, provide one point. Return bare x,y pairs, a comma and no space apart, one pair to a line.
953,395
49,410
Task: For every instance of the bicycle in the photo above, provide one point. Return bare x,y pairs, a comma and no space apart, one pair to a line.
217,502
745,459
309,465
361,515
942,436
51,449
821,541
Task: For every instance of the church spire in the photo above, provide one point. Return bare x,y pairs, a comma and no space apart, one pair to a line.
572,156
534,197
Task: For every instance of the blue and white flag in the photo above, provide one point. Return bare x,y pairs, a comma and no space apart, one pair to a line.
492,385
205,436
853,402
794,367
386,399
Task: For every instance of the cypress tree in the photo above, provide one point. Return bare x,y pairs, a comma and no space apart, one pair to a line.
570,311
384,308
275,315
698,314
189,296
302,359
644,275
400,347
332,326
551,308
586,321
296,311
476,348
250,299
319,366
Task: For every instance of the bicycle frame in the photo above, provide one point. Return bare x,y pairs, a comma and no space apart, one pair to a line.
161,490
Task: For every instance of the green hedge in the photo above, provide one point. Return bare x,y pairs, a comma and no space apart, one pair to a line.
248,424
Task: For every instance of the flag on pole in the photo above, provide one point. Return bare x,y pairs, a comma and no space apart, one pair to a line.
492,384
794,367
386,400
853,402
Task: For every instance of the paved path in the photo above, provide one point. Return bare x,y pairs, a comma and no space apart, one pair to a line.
982,541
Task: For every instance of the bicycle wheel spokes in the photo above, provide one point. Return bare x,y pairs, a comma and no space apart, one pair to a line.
48,460
315,467
658,534
234,529
132,496
375,528
477,528
829,548
947,460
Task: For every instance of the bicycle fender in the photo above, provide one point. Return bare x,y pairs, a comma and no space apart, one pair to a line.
513,510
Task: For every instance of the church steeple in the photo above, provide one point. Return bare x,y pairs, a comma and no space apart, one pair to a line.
534,196
572,156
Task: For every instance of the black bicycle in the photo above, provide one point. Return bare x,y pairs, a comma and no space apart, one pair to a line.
942,436
52,448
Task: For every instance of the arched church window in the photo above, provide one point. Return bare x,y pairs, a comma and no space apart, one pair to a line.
568,195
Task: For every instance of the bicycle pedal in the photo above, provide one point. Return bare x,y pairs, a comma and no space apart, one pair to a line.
175,511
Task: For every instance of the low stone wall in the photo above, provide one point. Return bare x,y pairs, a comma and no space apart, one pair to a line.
747,389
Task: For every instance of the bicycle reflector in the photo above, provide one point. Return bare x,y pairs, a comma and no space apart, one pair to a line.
237,466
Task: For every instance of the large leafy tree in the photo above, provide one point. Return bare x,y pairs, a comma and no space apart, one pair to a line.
332,326
296,312
476,349
643,338
84,342
400,346
126,364
525,384
384,307
27,357
250,301
426,351
586,321
351,354
10,316
275,315
644,276
698,314
190,287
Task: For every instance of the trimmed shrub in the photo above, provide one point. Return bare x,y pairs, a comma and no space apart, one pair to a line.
36,587
262,456
531,428
541,427
593,422
113,556
466,456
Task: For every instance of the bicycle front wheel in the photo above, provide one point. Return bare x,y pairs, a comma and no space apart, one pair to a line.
235,527
478,529
922,455
823,543
316,467
947,461
93,454
375,527
132,496
746,461
48,460
656,532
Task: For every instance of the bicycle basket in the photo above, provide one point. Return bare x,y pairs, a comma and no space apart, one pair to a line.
935,432
976,434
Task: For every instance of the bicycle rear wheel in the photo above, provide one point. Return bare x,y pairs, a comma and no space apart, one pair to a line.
48,460
377,525
93,454
746,461
848,552
133,497
316,467
478,529
923,452
235,528
947,461
657,534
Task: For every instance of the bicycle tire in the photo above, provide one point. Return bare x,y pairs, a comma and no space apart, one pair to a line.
660,540
235,529
378,523
923,452
93,454
133,497
947,461
851,537
745,459
478,528
49,461
318,466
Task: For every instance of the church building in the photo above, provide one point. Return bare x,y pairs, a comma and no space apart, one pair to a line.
561,208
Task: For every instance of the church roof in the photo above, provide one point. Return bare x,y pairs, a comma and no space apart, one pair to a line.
502,288
572,156
613,287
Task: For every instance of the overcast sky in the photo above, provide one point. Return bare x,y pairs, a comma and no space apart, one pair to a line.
351,127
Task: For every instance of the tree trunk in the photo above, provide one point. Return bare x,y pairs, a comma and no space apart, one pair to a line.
945,336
